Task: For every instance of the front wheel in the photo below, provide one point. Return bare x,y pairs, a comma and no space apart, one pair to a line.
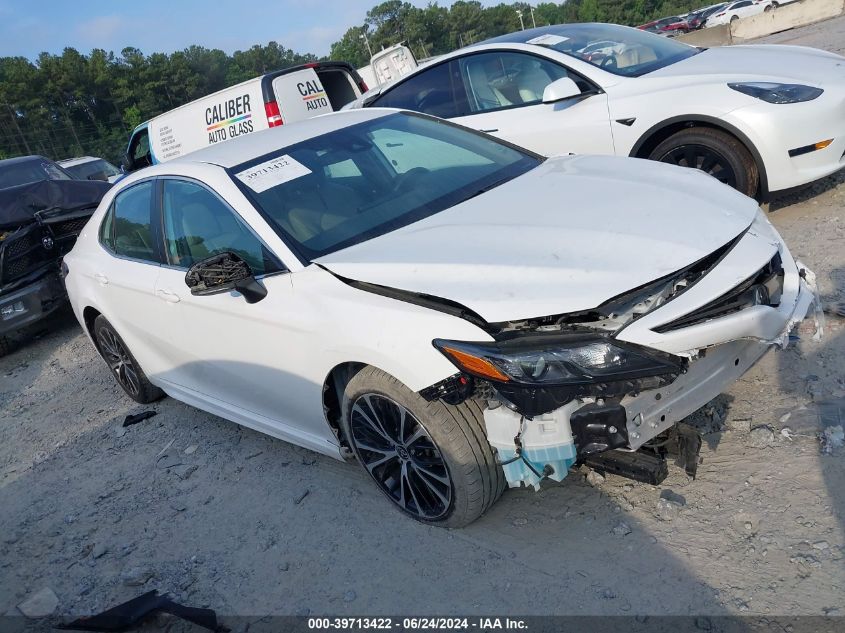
714,152
431,459
122,363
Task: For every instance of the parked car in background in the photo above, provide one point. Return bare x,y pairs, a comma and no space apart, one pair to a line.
273,99
760,119
42,210
456,312
698,19
738,10
90,168
677,26
657,26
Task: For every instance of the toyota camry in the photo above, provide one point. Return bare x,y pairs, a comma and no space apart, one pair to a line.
456,313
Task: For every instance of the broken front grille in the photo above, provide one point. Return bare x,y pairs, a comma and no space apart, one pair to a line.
22,252
763,288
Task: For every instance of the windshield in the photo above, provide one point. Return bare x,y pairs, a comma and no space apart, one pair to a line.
15,172
368,179
627,52
93,170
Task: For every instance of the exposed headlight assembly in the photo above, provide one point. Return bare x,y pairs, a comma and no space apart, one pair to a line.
777,93
539,372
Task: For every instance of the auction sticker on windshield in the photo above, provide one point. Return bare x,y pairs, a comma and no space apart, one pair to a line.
549,39
271,173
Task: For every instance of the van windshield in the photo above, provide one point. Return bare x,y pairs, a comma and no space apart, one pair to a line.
365,180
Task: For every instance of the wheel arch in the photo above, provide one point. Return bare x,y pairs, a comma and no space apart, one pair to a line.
332,397
659,132
89,315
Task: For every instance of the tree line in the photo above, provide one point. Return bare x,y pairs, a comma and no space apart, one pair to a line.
74,104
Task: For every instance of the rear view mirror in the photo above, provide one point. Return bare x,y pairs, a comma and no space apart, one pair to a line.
563,88
222,273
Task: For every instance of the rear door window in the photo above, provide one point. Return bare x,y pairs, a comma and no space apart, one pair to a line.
437,91
133,235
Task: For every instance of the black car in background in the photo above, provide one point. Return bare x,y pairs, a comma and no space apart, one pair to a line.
42,211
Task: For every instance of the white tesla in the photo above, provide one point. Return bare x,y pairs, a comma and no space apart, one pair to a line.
456,312
758,118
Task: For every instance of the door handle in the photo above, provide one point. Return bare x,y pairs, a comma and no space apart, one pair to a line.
167,295
101,279
490,131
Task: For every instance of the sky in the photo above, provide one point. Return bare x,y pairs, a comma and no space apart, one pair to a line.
28,27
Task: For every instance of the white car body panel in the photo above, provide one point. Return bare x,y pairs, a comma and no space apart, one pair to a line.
733,11
695,89
552,259
565,236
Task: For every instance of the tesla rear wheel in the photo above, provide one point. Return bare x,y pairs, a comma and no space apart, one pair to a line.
432,460
123,365
714,152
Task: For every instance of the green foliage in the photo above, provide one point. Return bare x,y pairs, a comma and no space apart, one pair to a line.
71,104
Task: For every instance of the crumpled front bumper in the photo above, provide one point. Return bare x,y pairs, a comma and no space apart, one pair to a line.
31,302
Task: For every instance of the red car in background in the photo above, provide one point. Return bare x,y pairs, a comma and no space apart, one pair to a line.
667,26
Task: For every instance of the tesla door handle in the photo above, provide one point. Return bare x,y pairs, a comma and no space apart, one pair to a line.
167,295
490,131
101,278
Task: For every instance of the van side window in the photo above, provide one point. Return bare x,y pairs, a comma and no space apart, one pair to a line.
133,236
198,224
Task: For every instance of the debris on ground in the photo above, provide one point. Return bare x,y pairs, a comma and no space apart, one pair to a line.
40,604
595,478
837,308
136,576
667,510
762,436
129,420
126,615
832,438
299,499
621,529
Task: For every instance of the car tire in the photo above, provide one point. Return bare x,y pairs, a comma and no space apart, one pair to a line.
123,365
713,151
438,454
734,18
6,345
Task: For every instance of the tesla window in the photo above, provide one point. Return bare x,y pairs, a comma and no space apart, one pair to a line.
623,51
365,180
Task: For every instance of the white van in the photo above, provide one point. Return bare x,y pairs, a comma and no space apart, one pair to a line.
280,97
388,65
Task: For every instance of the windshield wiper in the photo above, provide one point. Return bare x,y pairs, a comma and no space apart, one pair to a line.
487,188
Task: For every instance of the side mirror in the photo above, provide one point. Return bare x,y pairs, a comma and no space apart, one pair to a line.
563,88
126,164
222,273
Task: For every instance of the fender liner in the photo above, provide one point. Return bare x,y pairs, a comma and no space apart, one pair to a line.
713,122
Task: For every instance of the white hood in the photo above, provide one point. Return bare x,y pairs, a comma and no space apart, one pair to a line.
564,237
796,64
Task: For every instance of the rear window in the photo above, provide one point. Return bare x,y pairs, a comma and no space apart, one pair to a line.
362,181
34,170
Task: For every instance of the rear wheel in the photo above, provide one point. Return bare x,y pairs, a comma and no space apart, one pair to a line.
714,152
432,460
123,365
5,345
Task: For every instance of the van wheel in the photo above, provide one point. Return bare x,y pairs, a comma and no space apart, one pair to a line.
714,152
123,365
431,459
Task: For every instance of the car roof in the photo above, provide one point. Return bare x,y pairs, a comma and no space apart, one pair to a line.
22,159
522,37
250,146
78,160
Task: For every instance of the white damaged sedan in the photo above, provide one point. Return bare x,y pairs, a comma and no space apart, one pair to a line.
457,313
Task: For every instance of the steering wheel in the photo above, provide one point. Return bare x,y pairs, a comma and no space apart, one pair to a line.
608,62
403,180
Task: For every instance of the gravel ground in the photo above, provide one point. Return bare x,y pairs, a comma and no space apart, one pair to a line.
224,517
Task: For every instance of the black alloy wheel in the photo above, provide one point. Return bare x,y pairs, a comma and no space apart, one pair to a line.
119,361
704,158
401,456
